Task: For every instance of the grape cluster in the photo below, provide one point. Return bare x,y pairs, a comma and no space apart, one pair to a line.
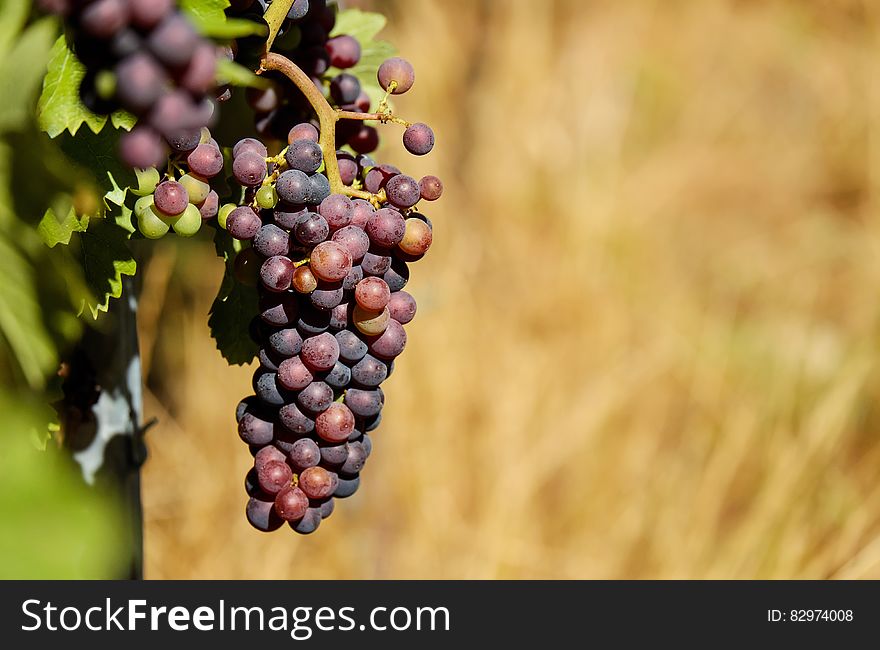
330,272
143,56
180,203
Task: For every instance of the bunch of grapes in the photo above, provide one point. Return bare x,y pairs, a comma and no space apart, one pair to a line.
143,56
330,271
180,203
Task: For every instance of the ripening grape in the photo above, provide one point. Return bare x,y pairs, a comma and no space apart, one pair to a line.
351,348
345,88
201,71
223,214
189,223
363,403
262,516
304,281
369,371
267,197
146,14
295,420
418,139
205,160
274,476
361,211
399,71
417,237
276,273
170,198
140,82
320,352
272,240
291,504
335,424
316,397
294,375
375,263
173,41
304,155
317,482
330,261
268,454
294,187
372,294
378,177
183,140
302,131
142,147
149,225
403,191
355,240
348,170
369,322
344,51
431,188
305,453
327,295
286,342
249,168
386,228
243,223
391,343
311,229
103,18
402,307
251,145
210,206
197,190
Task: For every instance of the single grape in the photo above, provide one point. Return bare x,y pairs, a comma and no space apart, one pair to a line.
149,225
304,280
320,188
327,295
361,211
344,51
302,131
224,212
274,476
339,376
173,41
251,145
247,267
363,403
369,371
276,273
399,71
348,171
189,223
146,14
140,81
210,206
286,342
417,237
267,197
370,323
294,187
333,454
197,190
305,453
268,454
339,317
372,294
291,504
431,188
311,229
287,216
205,160
271,241
330,261
243,223
103,18
345,88
147,180
357,458
347,487
386,228
355,241
365,140
377,178
351,348
294,375
418,139
255,430
403,191
183,140
397,275
402,307
304,155
295,420
262,516
375,263
335,424
315,397
309,523
391,343
200,74
317,482
249,168
266,387
142,147
320,352
337,210
170,199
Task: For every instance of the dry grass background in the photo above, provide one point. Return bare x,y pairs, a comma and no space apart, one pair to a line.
648,328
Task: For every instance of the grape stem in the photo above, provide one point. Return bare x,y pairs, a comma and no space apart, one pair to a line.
274,17
384,117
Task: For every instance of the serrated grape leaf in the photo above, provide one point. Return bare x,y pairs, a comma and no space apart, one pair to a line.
230,320
60,108
21,70
21,319
97,153
209,18
106,257
54,231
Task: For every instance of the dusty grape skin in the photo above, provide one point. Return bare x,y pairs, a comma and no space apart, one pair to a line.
302,131
335,424
267,454
327,295
305,453
361,211
372,293
276,273
243,223
369,372
397,275
268,360
304,155
205,160
386,228
279,310
249,168
403,191
348,170
286,342
344,51
267,388
200,74
418,139
294,375
170,198
347,487
311,229
378,177
294,420
255,430
431,188
309,523
327,508
336,209
271,241
417,237
140,82
357,458
320,352
316,397
274,476
345,88
399,70
330,261
320,188
355,240
376,263
333,454
351,348
249,145
210,207
339,376
354,276
339,317
142,147
262,516
391,343
244,405
312,321
291,504
287,216
316,482
402,307
363,403
294,187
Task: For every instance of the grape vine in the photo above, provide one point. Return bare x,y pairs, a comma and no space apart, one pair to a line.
316,234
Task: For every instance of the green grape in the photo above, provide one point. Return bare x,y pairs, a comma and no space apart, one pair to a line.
150,226
205,137
147,180
188,224
224,212
267,197
196,188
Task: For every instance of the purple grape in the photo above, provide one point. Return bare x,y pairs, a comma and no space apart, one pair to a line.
142,147
345,88
243,223
369,372
287,342
378,177
170,198
295,420
402,307
210,206
146,14
268,454
311,229
347,487
173,41
309,523
276,273
200,74
355,460
249,168
103,18
354,276
251,145
287,216
361,211
262,516
337,210
271,241
327,295
403,191
274,476
339,376
140,82
320,352
320,188
279,310
386,229
431,188
266,387
390,343
302,131
397,275
294,187
205,160
363,403
316,397
355,240
397,70
344,51
418,139
348,171
366,140
254,430
351,348
294,375
375,263
304,155
305,453
291,504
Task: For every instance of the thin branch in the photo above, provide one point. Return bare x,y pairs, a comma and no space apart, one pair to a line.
383,117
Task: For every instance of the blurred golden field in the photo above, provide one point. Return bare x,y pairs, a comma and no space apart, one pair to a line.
647,340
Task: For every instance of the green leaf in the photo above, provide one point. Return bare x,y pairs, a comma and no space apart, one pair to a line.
15,13
362,25
229,72
60,108
21,70
233,308
98,153
21,319
204,10
106,257
209,19
54,231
